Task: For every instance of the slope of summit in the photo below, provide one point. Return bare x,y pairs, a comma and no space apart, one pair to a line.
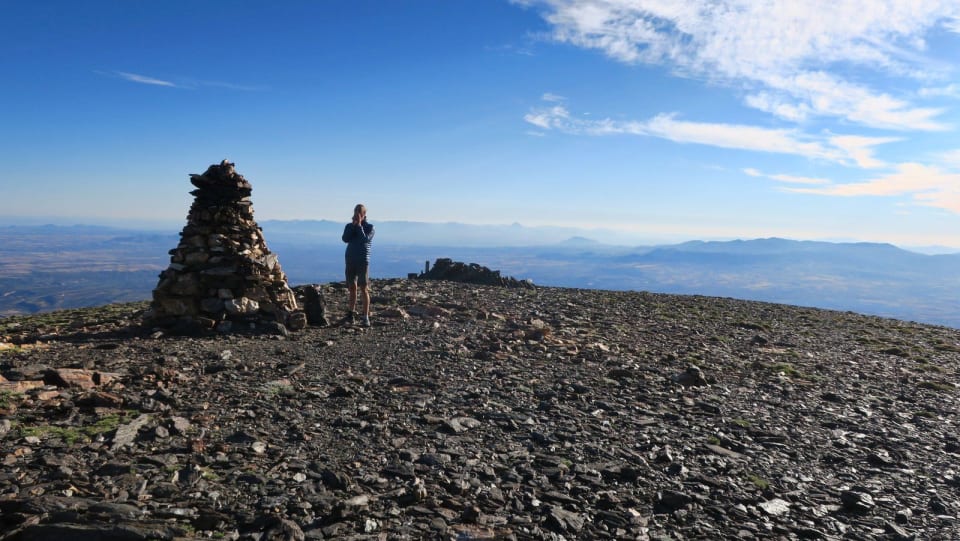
480,412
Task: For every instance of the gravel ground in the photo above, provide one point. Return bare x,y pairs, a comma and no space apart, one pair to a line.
477,412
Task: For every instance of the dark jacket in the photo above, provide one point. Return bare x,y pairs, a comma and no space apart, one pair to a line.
358,239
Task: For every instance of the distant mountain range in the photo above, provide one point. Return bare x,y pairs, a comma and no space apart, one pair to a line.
49,267
439,234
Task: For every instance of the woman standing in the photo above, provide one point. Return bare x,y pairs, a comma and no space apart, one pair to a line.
358,234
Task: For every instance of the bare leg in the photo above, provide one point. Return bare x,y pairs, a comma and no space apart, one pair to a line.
352,299
366,299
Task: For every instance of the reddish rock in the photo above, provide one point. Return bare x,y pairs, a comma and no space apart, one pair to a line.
19,386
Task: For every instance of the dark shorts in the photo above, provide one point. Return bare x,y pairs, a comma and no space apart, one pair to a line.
357,273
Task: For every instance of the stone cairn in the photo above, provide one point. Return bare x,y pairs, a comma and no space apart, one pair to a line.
222,276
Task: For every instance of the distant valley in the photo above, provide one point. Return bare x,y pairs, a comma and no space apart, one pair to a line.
52,267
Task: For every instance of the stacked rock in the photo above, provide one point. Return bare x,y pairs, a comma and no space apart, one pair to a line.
455,271
222,276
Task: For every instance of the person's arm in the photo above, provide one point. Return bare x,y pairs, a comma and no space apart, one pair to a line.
349,231
368,234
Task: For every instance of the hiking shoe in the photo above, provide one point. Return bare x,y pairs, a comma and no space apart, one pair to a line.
365,321
351,317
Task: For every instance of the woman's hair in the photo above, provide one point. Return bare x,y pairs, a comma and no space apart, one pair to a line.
359,210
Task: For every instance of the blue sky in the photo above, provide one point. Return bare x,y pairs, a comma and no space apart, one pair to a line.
658,119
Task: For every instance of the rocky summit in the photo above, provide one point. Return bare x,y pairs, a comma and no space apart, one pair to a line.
482,412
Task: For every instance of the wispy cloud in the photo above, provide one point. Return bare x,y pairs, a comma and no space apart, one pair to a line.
554,117
953,24
925,185
228,86
819,93
788,179
844,149
734,136
791,179
779,52
522,50
860,148
183,83
143,79
951,158
949,91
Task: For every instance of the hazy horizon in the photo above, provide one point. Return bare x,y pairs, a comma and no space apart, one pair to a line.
560,233
47,267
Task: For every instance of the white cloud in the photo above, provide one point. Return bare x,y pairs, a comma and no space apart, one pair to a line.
942,200
822,93
949,91
843,149
951,158
777,106
781,51
926,185
554,117
552,97
735,136
232,86
860,148
182,83
668,127
143,79
791,179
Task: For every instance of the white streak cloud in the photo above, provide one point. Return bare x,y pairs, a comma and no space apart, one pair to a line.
182,83
843,149
143,79
232,86
788,179
735,136
791,179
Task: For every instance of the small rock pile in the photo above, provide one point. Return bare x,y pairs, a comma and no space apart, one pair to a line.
311,298
455,271
222,276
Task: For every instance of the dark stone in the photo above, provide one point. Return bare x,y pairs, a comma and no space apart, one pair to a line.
671,500
857,501
84,532
562,521
455,271
313,304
